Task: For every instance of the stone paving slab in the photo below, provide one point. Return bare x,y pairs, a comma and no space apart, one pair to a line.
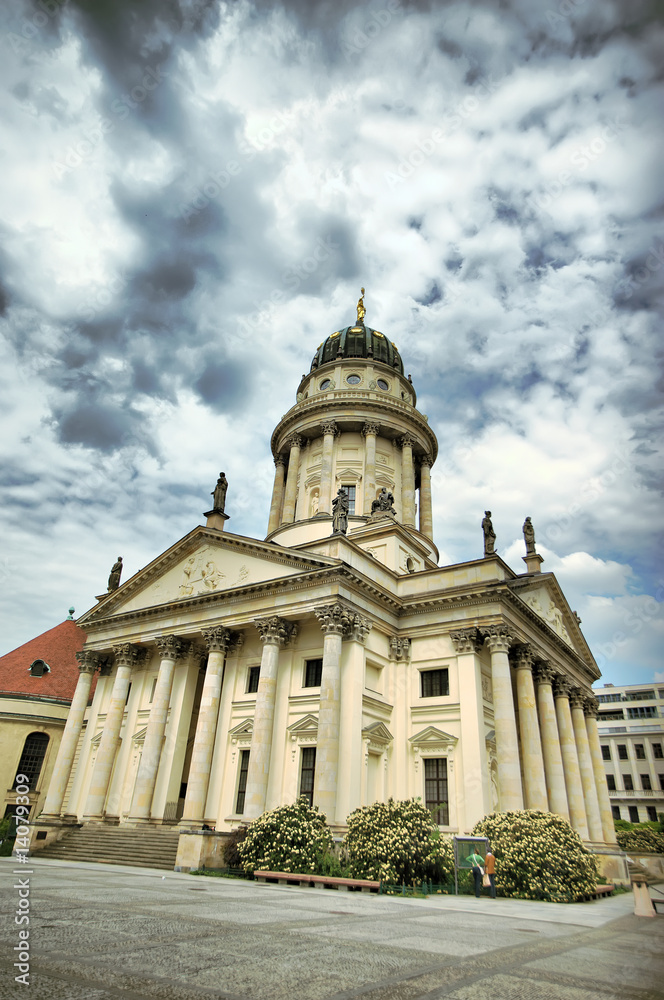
112,933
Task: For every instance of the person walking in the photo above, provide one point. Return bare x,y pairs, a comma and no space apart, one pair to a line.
477,862
490,869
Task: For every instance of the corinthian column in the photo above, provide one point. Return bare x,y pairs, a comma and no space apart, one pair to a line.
407,481
531,744
586,767
88,661
608,828
277,501
476,799
217,641
426,512
335,621
577,808
290,495
275,633
330,431
499,639
126,656
370,431
170,648
553,761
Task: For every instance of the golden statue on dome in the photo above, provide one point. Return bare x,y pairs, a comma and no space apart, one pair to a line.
361,311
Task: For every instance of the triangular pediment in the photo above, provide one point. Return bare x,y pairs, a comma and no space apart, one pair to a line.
244,728
139,737
543,596
377,732
307,725
207,561
432,737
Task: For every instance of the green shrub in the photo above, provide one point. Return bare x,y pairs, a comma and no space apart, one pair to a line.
642,837
538,856
397,842
288,839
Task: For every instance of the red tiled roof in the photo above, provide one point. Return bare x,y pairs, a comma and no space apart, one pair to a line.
57,648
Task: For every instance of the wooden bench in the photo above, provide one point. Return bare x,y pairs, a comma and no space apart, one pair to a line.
597,893
322,881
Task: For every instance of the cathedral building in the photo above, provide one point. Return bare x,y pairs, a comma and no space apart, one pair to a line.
335,658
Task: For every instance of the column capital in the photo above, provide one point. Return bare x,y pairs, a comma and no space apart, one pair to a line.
359,628
561,686
522,657
171,647
126,654
276,630
406,441
295,441
425,460
467,640
330,427
544,672
498,638
591,707
279,461
335,617
576,697
370,427
399,648
88,661
217,639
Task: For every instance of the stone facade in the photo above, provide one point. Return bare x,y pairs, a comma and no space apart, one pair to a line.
236,674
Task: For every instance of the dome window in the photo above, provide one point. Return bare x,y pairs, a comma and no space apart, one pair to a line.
382,384
353,380
326,384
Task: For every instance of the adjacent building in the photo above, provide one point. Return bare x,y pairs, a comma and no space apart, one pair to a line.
631,731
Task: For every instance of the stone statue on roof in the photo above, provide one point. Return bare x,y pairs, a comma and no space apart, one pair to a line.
529,535
219,493
340,507
489,534
114,578
361,311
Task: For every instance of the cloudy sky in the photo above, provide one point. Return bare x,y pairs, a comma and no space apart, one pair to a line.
193,193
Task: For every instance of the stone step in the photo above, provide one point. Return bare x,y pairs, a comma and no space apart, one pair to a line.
137,847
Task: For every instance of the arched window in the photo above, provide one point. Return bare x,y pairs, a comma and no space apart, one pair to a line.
39,667
32,758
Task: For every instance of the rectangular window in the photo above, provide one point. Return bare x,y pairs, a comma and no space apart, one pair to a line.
628,784
308,773
657,751
642,712
661,781
152,691
312,673
435,683
652,814
606,752
611,782
638,695
610,716
633,814
615,810
645,783
253,677
602,698
435,789
640,751
350,490
622,752
242,781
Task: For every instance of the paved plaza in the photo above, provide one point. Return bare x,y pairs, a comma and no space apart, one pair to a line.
100,932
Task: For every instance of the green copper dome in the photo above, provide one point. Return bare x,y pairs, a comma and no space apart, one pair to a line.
358,342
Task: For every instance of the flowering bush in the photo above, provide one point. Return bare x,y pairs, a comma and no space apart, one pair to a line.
538,856
641,838
397,842
288,839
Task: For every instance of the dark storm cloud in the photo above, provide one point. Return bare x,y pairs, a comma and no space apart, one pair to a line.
223,384
97,425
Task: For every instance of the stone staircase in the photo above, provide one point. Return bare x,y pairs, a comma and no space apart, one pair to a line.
140,847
